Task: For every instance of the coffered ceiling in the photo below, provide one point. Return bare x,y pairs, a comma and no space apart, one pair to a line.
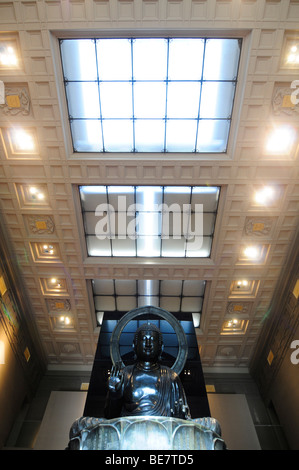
258,175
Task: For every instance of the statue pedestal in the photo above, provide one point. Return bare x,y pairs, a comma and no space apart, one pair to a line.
145,433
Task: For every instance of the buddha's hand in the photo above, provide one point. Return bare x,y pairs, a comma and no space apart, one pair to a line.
116,380
180,410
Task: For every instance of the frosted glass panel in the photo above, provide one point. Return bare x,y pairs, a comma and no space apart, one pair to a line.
217,99
83,100
148,197
149,135
199,247
150,59
87,135
124,131
148,246
181,135
212,135
116,100
149,99
185,59
122,247
173,247
221,59
96,247
114,59
78,59
183,100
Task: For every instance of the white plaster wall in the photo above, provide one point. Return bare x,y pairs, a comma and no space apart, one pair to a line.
62,410
232,412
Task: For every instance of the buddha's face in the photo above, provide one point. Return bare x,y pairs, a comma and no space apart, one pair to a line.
147,346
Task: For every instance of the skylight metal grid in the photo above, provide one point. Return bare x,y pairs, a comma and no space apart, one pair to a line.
149,221
122,295
150,94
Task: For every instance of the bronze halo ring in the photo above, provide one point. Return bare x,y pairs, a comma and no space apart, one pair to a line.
144,311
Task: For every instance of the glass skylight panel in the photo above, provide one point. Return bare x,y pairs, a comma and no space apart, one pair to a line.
183,100
123,295
87,134
212,135
115,59
79,60
149,59
149,100
149,135
118,135
149,221
150,94
116,100
186,59
181,135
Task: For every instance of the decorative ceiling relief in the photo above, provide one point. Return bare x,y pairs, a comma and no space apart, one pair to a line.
17,101
228,351
40,224
69,348
58,305
238,307
258,226
285,101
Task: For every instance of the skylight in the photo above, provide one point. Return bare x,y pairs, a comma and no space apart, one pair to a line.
150,95
149,221
122,295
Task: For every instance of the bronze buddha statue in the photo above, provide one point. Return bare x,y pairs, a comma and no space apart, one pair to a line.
146,388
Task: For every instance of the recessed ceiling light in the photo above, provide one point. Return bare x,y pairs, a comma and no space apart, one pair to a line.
53,280
243,283
264,196
22,140
292,56
281,140
8,56
252,252
36,193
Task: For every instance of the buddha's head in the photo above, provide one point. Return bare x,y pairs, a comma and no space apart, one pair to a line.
148,343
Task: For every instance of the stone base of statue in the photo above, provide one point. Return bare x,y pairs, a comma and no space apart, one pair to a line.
145,433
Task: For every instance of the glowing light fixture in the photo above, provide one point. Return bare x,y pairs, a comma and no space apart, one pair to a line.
281,140
264,196
8,56
292,56
252,252
36,193
233,323
22,140
243,283
48,249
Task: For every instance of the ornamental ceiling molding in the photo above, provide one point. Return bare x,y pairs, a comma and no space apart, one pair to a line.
17,101
282,102
58,305
40,224
258,226
236,308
